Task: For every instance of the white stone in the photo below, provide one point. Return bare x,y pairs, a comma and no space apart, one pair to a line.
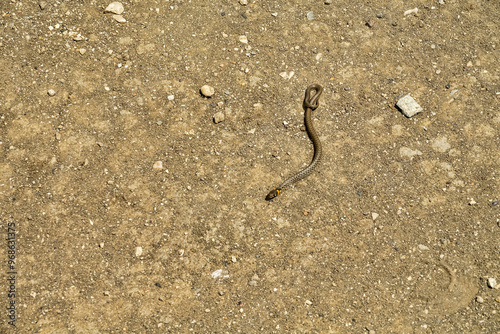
217,274
492,283
423,247
411,11
119,18
51,92
243,2
207,91
115,8
158,165
288,76
243,39
138,251
408,106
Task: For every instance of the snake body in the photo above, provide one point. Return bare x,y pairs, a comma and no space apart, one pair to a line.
310,104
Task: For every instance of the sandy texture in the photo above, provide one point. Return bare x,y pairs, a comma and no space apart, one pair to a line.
135,212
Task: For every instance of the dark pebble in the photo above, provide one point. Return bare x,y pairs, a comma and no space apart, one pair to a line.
447,86
222,14
494,203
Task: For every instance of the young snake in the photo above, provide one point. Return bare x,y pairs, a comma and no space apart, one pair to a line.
310,103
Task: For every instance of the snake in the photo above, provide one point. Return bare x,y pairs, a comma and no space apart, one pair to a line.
311,102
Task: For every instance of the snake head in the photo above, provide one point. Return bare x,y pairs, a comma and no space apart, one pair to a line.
272,194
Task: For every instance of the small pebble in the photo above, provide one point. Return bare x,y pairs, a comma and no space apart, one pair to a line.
101,245
170,97
411,11
115,8
158,165
441,2
370,23
328,2
218,117
423,247
374,215
288,76
217,274
119,19
82,51
308,302
472,202
42,5
51,92
494,203
408,106
380,15
310,16
207,91
138,251
243,39
479,299
243,2
492,282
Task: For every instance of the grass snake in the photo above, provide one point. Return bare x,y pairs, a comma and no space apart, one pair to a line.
310,103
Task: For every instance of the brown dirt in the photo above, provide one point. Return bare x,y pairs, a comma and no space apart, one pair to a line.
77,176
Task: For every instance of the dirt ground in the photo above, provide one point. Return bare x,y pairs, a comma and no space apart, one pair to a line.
397,231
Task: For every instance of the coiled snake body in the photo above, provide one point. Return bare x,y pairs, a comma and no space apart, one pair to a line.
310,104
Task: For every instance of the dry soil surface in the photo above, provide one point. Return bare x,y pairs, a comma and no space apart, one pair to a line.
397,231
